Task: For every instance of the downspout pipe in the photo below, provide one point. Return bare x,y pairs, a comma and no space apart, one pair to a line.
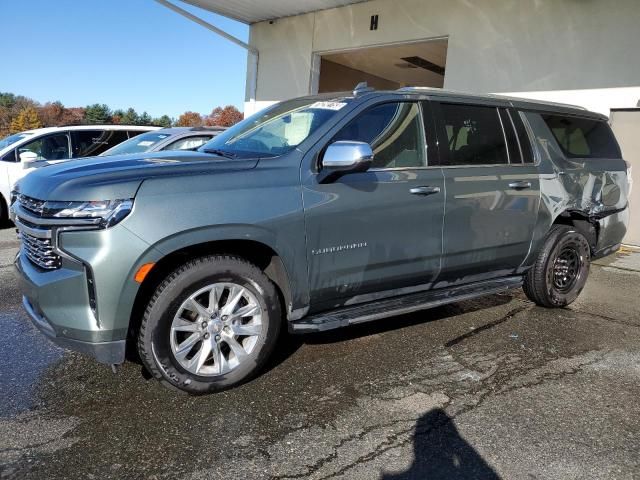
253,52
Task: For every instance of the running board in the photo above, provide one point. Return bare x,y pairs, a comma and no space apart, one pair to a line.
390,307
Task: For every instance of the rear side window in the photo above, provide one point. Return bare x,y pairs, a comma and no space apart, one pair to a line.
582,137
88,143
474,135
394,131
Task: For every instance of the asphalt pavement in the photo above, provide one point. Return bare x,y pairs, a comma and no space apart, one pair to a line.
490,388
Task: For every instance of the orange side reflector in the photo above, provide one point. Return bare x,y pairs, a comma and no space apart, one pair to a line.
142,272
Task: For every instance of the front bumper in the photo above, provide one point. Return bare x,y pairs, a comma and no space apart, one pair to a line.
103,352
69,321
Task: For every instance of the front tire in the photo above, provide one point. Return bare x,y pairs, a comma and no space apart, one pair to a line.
561,269
210,325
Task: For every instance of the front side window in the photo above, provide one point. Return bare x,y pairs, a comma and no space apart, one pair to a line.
189,143
474,135
88,143
277,130
50,147
582,137
394,131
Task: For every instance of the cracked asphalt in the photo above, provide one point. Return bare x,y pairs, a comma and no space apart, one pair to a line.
490,388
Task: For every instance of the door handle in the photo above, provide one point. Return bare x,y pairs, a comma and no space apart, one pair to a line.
521,185
426,190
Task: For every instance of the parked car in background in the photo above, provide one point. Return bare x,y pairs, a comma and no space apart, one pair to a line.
24,151
316,213
175,138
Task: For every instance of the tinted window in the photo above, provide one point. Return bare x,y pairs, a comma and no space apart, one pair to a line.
134,133
87,143
394,132
474,135
188,143
51,147
582,137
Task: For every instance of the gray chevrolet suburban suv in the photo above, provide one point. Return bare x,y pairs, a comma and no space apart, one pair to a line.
316,213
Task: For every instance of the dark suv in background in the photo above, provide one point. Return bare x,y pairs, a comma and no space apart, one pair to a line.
317,213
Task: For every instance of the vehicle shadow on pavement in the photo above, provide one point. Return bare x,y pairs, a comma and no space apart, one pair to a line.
440,452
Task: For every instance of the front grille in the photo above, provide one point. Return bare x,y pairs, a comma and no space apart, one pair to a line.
40,252
32,205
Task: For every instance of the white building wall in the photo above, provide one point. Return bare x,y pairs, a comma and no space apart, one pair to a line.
578,51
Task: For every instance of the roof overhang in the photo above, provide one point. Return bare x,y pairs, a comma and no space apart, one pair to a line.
252,11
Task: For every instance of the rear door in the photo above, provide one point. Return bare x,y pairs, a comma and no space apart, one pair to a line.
379,230
492,191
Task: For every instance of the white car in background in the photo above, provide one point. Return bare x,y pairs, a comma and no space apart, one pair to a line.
23,152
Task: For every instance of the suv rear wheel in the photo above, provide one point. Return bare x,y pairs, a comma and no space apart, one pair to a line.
210,325
561,269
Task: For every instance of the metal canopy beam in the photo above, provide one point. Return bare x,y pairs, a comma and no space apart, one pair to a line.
252,67
208,26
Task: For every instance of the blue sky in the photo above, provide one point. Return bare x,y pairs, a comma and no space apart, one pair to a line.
120,52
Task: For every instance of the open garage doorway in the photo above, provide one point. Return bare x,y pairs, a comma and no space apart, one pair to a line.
384,67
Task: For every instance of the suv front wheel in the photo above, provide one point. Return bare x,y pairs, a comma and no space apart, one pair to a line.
210,325
561,269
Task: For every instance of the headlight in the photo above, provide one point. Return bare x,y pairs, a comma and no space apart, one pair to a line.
110,211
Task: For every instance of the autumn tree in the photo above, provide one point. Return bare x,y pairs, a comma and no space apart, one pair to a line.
52,114
190,119
224,117
97,114
27,119
10,107
73,116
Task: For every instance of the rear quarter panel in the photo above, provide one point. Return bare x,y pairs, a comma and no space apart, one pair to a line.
597,188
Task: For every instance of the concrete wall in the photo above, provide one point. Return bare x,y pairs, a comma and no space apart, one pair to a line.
531,46
626,126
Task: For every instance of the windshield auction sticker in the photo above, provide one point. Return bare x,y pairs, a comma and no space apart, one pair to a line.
328,105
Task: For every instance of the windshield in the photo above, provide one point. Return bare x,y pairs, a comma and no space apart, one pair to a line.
11,139
138,144
275,131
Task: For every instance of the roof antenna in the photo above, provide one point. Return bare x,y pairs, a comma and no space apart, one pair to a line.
361,88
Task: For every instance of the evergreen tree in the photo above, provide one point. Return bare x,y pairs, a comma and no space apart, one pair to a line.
164,121
130,117
96,114
144,119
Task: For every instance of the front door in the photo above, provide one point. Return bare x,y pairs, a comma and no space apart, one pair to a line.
493,192
381,230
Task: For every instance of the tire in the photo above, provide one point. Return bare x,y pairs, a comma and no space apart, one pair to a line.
173,323
561,269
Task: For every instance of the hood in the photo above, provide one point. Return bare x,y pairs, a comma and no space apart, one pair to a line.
118,177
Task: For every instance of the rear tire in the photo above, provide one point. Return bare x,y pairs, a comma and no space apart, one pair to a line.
210,325
561,269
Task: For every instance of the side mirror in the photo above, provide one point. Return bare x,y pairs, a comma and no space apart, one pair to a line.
28,158
345,156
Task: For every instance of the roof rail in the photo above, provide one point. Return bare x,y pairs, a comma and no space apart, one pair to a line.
491,95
